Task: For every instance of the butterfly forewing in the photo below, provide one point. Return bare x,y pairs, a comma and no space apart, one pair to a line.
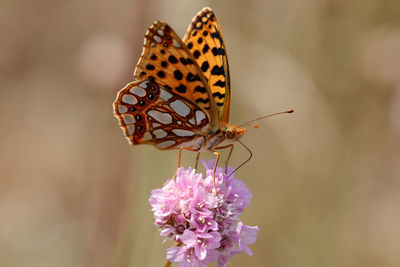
167,60
150,114
204,40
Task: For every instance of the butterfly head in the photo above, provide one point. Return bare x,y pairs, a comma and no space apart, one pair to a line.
234,133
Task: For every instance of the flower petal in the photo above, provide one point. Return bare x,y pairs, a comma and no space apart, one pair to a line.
176,254
200,251
189,238
247,235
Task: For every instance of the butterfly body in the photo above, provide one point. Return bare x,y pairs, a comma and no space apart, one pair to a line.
181,95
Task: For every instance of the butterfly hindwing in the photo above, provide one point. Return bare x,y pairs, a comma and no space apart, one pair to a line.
204,40
150,114
166,60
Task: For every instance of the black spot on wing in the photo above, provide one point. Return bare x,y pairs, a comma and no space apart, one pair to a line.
181,88
200,89
183,60
205,66
216,35
218,70
219,95
191,78
150,67
219,83
218,51
196,54
172,59
205,48
161,74
189,61
178,75
201,100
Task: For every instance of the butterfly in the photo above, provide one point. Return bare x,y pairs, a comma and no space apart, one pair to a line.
181,94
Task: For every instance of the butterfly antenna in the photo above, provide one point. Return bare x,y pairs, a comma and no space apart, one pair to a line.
250,156
263,117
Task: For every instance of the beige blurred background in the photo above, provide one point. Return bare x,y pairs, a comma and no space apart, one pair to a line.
325,179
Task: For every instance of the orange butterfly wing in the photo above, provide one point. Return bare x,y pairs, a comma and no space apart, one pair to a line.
167,60
204,40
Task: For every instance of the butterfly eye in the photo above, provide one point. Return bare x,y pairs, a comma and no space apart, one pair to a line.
229,134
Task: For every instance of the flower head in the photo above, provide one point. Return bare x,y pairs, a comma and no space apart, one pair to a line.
206,225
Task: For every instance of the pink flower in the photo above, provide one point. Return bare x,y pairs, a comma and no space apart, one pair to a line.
201,242
247,235
205,225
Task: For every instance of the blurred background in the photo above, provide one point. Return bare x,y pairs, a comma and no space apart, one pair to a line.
325,179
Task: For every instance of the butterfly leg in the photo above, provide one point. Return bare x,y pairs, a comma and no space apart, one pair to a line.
197,160
215,168
229,155
179,158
